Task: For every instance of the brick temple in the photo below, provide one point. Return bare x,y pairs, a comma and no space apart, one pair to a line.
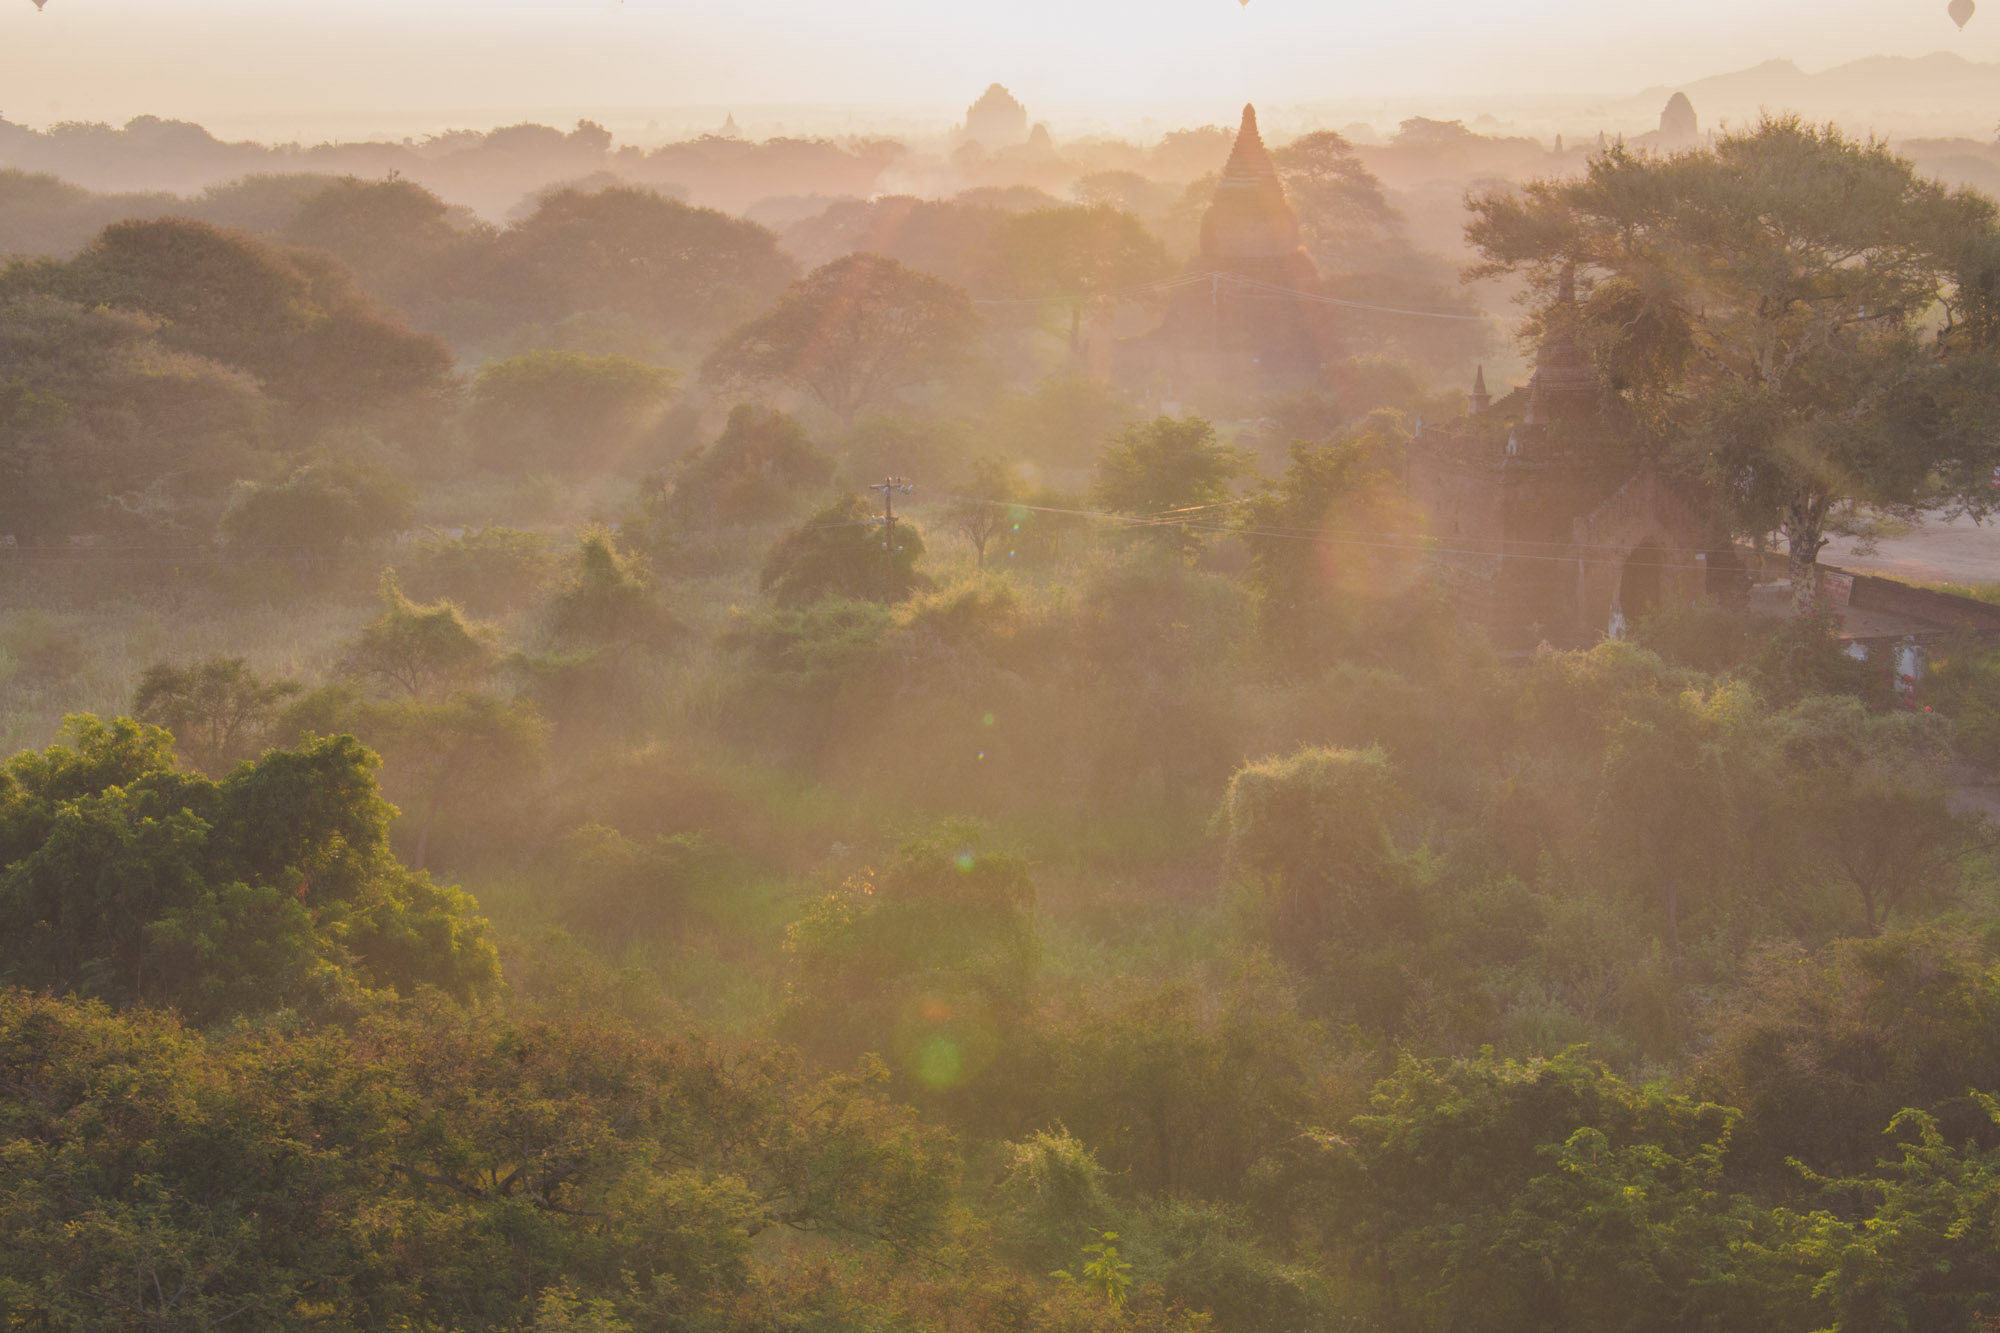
1244,309
1550,526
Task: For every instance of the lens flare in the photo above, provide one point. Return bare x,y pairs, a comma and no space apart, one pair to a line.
940,1063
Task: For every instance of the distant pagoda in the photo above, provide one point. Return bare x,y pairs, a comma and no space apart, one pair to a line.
1255,316
997,120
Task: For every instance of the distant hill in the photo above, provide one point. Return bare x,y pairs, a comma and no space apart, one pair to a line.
1938,95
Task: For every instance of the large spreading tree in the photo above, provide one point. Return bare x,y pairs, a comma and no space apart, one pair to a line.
1797,317
852,333
1082,261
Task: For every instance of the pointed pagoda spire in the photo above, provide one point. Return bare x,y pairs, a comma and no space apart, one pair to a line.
1249,218
1249,161
1563,379
1478,400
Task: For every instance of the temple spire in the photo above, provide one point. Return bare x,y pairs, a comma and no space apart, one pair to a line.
1563,381
1478,400
1249,161
1249,218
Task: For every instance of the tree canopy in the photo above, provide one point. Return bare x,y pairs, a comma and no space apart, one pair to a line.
853,333
130,881
1798,317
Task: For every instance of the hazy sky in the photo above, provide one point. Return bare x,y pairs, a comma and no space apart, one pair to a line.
318,60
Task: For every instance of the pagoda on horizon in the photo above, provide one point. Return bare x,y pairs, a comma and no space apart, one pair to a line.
1255,315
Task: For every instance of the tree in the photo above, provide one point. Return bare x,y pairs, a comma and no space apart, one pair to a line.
485,570
1085,261
1544,1194
843,552
452,759
292,318
403,242
218,710
103,427
565,412
1801,319
980,511
162,1177
633,251
928,959
852,333
949,238
427,652
129,881
1063,422
1300,584
752,473
1821,1048
608,603
1309,839
319,508
1346,219
1169,472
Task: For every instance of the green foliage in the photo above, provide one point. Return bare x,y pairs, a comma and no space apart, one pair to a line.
618,889
1083,260
1173,474
1924,1256
925,446
426,1167
1207,1257
104,429
1548,1194
1310,593
983,507
632,251
403,243
928,961
426,652
608,601
1767,309
291,318
218,710
1805,655
1053,1197
1310,835
565,412
462,766
853,333
1820,1049
840,552
273,888
1963,683
1064,421
485,570
1183,1087
318,509
1703,636
753,473
1105,1270
1347,221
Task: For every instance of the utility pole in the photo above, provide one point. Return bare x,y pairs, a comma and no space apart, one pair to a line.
890,487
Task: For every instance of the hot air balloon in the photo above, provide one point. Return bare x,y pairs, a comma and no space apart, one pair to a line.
1960,11
39,4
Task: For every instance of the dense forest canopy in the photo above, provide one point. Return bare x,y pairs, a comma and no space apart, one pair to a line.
590,753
